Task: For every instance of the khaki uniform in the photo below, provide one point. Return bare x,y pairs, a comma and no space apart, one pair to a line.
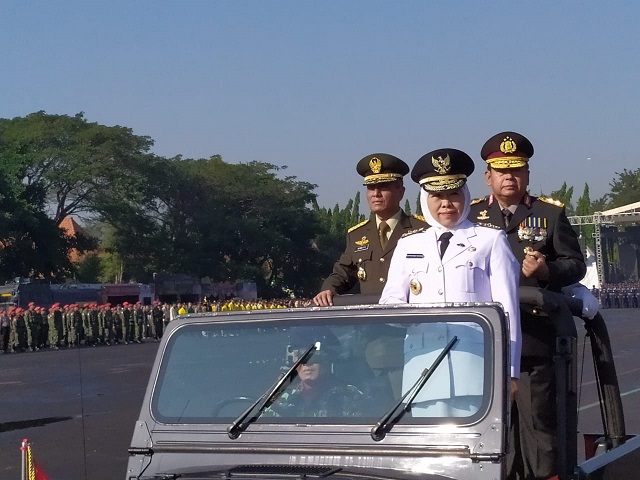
364,261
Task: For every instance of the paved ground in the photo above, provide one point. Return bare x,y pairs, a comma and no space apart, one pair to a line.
78,407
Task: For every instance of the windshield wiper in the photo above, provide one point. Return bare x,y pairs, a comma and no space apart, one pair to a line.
239,425
380,429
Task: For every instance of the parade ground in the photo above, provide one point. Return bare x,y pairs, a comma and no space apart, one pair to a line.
77,407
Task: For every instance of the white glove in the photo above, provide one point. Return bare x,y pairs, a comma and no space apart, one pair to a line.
590,303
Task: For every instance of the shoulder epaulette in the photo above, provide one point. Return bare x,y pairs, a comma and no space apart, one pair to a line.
419,217
411,232
478,200
357,226
551,201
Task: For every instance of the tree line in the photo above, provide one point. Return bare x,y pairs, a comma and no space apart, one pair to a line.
143,213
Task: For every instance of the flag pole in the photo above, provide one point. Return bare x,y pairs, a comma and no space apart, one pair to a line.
23,449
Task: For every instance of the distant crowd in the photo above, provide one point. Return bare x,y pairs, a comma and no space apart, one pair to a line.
618,295
69,326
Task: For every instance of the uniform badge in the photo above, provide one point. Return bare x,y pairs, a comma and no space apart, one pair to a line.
362,275
483,215
363,244
415,286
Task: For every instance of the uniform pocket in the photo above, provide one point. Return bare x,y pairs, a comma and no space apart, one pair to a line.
473,272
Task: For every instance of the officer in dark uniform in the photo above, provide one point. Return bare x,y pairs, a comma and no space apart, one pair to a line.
547,247
370,244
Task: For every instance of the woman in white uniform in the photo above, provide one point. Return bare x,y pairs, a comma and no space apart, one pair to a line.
453,261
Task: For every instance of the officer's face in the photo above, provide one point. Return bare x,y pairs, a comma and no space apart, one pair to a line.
446,207
508,184
384,198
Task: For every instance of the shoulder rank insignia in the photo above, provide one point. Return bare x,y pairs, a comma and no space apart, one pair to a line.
551,201
483,215
478,200
419,217
411,232
357,226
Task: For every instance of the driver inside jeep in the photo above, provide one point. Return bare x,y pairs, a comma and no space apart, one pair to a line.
316,390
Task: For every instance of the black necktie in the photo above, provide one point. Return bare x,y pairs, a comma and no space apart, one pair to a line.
444,242
507,216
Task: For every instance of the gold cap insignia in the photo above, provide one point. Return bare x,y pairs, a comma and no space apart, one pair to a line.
375,164
415,286
508,145
442,165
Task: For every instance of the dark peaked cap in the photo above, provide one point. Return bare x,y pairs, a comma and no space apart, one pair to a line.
381,168
507,150
443,169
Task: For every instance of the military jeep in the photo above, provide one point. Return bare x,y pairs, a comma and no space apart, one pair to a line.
227,397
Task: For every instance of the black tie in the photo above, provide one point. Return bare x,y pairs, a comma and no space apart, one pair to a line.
507,216
444,242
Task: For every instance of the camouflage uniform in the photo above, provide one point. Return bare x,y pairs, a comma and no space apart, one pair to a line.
334,400
117,325
107,325
33,328
138,316
128,330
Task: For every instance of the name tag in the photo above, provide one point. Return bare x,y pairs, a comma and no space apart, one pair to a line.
415,255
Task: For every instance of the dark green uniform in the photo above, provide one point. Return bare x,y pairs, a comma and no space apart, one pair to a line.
364,261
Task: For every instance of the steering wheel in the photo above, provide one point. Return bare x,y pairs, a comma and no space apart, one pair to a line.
230,401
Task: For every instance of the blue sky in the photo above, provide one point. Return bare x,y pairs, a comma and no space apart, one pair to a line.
316,85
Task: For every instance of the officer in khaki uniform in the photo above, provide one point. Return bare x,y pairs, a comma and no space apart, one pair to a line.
370,244
546,246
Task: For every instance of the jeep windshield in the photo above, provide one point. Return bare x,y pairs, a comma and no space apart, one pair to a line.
211,372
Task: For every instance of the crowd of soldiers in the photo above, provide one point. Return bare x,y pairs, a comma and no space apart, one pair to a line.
69,326
618,295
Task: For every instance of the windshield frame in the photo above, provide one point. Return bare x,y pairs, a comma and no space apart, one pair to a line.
332,316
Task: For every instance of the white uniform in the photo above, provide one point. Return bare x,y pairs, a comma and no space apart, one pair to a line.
478,266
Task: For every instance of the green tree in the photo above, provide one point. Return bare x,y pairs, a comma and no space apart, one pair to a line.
407,207
584,207
31,244
625,189
77,164
564,194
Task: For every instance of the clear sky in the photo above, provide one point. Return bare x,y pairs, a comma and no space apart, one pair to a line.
316,85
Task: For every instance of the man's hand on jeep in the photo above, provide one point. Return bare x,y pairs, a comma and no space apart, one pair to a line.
324,298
